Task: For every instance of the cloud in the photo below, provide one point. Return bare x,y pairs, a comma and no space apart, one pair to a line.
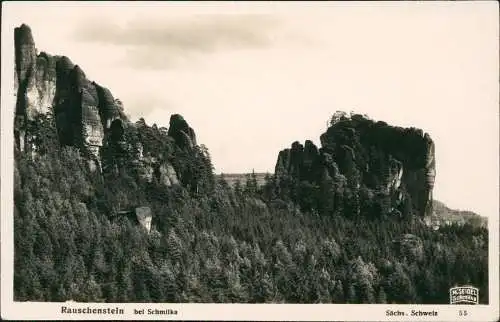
141,104
161,44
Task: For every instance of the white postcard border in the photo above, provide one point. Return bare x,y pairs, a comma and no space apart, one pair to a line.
257,312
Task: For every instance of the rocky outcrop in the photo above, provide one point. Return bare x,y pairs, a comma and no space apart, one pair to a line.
300,161
167,175
151,169
182,133
28,98
141,216
34,87
118,153
376,163
87,115
144,217
53,85
110,108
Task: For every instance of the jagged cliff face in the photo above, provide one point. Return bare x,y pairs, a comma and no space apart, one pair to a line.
372,160
182,133
86,114
53,84
35,87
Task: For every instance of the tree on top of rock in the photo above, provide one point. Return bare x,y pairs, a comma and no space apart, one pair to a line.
337,117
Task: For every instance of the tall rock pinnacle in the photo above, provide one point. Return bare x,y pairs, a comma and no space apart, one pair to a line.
46,84
86,114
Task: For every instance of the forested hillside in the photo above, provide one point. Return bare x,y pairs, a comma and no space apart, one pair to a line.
220,245
340,224
441,215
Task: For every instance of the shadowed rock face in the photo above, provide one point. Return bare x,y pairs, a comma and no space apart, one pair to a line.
53,84
25,52
87,115
379,159
35,86
116,130
110,108
182,133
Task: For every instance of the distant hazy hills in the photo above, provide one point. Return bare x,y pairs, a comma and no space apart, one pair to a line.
231,178
449,216
442,215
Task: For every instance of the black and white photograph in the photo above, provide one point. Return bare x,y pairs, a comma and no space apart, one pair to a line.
329,153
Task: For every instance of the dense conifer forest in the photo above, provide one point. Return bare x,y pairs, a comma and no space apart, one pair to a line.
211,242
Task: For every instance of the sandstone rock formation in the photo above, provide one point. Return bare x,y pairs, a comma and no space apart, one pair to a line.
144,217
140,215
371,159
151,169
53,85
86,114
29,79
167,175
183,135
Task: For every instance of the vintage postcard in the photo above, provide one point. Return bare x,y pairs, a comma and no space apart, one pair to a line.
266,161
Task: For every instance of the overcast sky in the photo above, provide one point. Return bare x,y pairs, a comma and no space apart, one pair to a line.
253,78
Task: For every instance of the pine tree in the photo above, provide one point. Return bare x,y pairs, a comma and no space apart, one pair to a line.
174,246
381,296
351,297
264,289
251,185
